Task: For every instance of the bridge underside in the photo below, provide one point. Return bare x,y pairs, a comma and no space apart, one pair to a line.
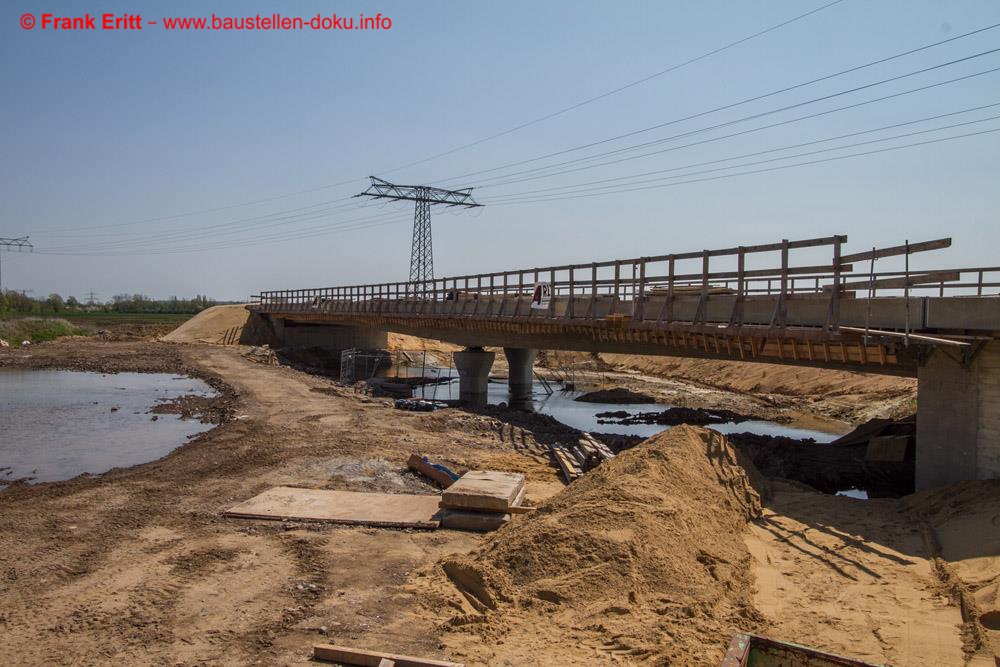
950,347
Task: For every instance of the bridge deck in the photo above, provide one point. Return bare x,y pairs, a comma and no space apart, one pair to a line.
809,314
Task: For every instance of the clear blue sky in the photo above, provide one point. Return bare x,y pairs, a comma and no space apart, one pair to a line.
106,130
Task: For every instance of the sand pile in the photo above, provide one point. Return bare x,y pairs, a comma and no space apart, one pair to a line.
965,519
642,557
212,325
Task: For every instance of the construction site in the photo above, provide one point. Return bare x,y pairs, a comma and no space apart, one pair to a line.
308,516
695,359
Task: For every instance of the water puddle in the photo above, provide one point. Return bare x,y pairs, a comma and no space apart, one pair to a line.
859,494
55,425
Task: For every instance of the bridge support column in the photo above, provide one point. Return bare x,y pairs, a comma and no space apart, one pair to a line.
958,417
473,364
521,375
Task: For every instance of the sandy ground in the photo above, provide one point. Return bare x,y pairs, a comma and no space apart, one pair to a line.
137,566
853,577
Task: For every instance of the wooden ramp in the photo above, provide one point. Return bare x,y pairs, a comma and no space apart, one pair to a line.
346,507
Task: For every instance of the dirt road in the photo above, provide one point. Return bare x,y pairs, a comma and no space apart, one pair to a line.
137,567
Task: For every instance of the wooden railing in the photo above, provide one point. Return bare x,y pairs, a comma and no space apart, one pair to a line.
646,282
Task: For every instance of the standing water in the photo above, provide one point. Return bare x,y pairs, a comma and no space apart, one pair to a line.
55,425
561,406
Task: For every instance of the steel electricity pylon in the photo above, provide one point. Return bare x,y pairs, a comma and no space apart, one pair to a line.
10,245
422,251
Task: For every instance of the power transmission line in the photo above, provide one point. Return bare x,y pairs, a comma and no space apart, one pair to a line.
619,89
754,171
423,196
307,216
779,149
227,228
477,142
714,139
271,237
10,245
272,220
754,99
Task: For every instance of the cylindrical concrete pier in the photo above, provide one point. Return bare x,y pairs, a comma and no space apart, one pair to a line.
521,375
473,365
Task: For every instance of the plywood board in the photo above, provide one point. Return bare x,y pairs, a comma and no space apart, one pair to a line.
347,507
485,490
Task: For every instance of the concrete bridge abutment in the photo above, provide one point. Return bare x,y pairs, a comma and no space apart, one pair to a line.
473,365
521,375
958,416
328,339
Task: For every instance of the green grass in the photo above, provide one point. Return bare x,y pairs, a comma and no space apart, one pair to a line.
97,319
36,329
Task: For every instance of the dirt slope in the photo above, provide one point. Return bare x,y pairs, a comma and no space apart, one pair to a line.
765,378
210,325
965,519
848,396
642,559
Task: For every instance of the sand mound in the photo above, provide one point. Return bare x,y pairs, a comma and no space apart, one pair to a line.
644,554
212,325
965,519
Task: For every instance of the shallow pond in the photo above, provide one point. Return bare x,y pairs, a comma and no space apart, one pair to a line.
55,425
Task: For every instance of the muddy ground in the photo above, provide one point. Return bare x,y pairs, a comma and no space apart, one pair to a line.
138,567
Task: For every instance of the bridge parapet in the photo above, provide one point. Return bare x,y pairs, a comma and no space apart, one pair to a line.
733,303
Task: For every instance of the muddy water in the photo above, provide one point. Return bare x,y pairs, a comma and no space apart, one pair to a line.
562,406
55,425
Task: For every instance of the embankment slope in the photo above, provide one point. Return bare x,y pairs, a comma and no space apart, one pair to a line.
210,325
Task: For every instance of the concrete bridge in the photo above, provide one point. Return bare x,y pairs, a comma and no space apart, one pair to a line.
801,302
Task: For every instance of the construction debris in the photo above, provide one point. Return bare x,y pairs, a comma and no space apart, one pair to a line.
574,460
418,405
436,472
482,500
262,354
362,658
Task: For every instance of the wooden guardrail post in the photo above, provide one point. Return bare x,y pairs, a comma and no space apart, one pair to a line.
779,316
699,313
618,275
833,316
552,293
638,305
736,317
569,304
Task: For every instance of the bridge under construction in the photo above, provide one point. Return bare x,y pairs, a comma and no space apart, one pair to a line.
774,303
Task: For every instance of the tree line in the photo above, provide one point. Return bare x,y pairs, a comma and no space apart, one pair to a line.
18,303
